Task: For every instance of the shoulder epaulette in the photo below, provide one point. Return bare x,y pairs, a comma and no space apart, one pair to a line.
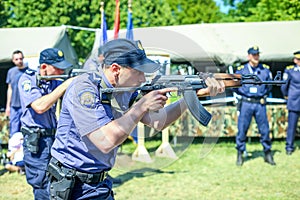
241,67
266,66
290,67
30,71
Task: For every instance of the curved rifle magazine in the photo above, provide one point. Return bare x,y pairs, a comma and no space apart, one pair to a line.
196,108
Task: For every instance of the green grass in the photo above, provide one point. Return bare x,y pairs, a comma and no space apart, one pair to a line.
195,176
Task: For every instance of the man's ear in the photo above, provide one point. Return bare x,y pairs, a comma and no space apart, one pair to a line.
43,69
115,68
43,66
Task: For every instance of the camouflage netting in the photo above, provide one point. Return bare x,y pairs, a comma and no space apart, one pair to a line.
224,123
4,129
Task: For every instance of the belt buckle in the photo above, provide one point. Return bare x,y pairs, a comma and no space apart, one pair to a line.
103,176
262,101
38,130
42,131
89,177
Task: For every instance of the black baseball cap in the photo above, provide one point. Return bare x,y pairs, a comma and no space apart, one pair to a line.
55,57
253,50
128,53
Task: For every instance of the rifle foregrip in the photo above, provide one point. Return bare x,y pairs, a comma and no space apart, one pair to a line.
230,80
196,108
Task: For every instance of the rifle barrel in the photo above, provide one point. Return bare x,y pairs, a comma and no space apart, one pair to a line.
53,77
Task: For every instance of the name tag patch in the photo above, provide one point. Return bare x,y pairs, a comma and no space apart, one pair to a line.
253,90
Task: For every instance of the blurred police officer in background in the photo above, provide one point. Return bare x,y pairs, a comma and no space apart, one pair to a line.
93,63
253,103
38,100
92,125
291,92
13,106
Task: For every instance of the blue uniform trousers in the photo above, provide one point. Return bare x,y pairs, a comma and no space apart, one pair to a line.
14,120
36,166
291,130
259,112
100,191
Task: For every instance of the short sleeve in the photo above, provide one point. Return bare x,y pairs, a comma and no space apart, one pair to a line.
28,89
84,105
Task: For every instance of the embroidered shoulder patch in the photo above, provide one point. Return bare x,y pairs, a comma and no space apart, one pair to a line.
30,72
26,85
87,98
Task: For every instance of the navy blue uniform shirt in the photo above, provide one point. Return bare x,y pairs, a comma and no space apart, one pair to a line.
255,91
30,90
292,87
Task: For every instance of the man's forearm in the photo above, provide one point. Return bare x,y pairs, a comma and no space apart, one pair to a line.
166,116
44,103
174,111
8,100
9,93
116,132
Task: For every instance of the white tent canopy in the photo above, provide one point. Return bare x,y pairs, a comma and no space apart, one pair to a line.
31,41
222,43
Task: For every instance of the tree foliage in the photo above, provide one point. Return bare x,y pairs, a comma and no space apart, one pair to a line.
5,13
86,13
194,11
32,13
262,10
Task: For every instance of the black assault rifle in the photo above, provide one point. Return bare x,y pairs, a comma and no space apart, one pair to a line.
187,85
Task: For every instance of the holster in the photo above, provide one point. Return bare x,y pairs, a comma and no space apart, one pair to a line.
32,139
61,182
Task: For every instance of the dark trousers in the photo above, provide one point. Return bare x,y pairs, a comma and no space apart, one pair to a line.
101,191
291,130
14,120
259,112
36,166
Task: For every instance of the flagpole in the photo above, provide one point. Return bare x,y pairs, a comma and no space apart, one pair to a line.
101,8
129,5
117,20
101,14
103,33
129,33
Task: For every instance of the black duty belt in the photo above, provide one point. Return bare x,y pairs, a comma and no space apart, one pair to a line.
84,177
254,100
91,178
41,131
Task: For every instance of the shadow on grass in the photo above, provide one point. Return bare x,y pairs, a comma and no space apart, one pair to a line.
3,171
140,173
297,143
257,154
